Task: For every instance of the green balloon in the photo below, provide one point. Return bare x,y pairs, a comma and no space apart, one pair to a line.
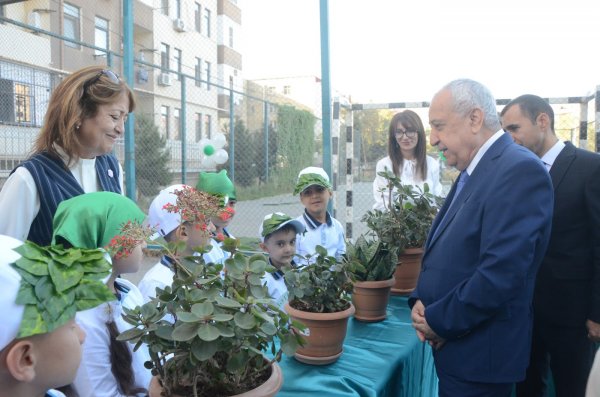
209,150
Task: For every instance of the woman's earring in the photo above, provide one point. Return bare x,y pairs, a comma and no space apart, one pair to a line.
77,126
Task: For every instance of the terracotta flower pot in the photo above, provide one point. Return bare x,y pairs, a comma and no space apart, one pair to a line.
268,389
370,298
325,333
407,271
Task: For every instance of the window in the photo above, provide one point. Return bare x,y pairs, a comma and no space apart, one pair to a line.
72,25
177,124
198,72
197,16
177,9
23,100
178,61
198,126
287,90
207,74
101,35
207,120
206,25
164,121
231,37
164,57
164,7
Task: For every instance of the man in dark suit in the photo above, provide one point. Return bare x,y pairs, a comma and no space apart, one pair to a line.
566,300
473,299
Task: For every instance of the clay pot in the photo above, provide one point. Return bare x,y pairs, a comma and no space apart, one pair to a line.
407,271
324,334
370,298
268,389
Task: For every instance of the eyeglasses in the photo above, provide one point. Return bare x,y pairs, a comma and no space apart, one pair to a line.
407,133
112,76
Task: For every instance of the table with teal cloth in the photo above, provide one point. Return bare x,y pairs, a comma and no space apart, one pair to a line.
379,359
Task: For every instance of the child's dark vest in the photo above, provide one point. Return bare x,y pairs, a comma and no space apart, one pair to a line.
55,183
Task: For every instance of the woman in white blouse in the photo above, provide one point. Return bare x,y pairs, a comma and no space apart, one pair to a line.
406,158
71,155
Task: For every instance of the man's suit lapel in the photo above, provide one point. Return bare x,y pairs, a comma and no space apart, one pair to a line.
484,167
561,164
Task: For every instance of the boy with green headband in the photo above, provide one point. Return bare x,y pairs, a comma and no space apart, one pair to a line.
218,184
40,343
113,222
321,228
278,233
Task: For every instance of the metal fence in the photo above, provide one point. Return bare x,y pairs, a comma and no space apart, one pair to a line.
188,89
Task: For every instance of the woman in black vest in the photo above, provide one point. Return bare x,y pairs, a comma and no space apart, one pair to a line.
72,154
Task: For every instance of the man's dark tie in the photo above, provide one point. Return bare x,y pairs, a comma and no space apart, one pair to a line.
462,180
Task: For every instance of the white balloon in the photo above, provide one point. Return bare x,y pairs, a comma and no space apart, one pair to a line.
219,141
203,142
221,156
208,162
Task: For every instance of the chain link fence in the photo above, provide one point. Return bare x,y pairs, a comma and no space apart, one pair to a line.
189,85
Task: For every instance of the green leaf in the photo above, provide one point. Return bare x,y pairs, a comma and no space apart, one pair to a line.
268,328
165,332
208,332
35,267
203,309
131,334
89,294
187,317
64,277
225,330
184,331
32,323
26,295
222,317
66,258
31,251
203,351
237,361
226,302
244,320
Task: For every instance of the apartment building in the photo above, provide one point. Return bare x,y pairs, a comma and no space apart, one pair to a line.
185,53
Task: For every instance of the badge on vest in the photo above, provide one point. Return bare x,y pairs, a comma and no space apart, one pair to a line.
110,173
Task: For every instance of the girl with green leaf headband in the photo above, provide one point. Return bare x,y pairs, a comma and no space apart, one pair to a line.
115,223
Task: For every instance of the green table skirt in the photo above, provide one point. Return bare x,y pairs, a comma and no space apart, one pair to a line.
379,359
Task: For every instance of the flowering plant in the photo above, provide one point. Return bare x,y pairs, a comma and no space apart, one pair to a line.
132,234
195,206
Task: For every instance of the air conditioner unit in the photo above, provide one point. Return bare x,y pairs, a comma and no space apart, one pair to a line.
178,25
164,79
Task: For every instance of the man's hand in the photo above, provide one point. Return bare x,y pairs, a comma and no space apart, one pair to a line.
424,331
593,330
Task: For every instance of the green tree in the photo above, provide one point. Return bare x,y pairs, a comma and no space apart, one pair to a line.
295,143
372,126
151,157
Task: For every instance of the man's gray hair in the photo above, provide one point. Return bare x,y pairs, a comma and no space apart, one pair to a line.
468,95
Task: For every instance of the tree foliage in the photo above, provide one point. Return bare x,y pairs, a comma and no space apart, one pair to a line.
151,157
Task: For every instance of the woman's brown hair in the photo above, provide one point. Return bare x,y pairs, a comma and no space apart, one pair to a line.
411,122
77,98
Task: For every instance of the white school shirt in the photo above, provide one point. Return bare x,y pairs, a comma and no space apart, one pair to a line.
276,287
94,377
330,235
159,276
407,176
20,202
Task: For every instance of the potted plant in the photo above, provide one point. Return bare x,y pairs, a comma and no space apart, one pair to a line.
404,227
319,298
373,264
209,333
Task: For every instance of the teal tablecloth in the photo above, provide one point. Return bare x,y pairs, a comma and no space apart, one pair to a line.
379,359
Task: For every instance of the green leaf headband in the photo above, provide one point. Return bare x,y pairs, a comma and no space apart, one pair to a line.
56,283
306,180
272,224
